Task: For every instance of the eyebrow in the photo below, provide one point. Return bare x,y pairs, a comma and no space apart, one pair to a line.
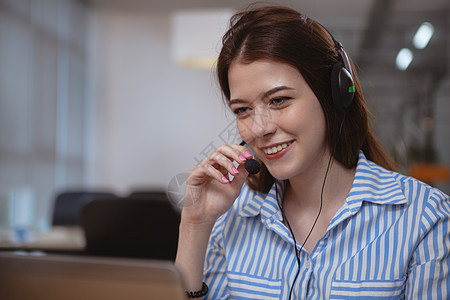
264,95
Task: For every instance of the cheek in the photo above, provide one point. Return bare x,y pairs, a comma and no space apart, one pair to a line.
243,130
293,120
303,119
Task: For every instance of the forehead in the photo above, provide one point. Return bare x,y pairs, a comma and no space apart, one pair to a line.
249,79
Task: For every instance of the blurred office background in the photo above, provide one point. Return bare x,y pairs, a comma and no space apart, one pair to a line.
94,94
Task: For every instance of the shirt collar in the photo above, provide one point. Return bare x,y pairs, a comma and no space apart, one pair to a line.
268,205
372,183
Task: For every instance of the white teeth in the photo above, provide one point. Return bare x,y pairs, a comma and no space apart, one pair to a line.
276,149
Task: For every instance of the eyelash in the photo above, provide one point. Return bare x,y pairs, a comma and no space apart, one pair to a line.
243,110
240,110
283,100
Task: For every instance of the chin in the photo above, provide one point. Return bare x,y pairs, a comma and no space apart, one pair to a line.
280,174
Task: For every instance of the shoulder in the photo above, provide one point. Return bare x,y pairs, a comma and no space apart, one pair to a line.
391,182
415,189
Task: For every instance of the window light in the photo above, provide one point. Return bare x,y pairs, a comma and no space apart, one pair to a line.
423,35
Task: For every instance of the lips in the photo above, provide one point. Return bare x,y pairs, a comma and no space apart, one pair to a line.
276,148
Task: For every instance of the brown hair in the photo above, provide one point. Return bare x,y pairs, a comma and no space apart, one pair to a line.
285,35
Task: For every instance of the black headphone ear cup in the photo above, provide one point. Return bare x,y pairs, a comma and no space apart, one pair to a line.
335,88
347,87
342,87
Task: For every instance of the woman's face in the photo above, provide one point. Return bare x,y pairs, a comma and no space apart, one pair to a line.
279,117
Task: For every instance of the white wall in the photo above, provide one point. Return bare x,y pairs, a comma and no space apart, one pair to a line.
151,118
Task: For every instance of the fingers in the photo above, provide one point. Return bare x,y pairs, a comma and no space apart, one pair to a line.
232,152
239,179
214,172
221,163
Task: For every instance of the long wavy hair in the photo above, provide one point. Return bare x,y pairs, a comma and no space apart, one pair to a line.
284,35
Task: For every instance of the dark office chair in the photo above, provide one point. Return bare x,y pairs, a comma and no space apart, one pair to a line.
68,206
136,227
148,194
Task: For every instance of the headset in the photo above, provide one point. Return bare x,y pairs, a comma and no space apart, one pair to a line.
342,85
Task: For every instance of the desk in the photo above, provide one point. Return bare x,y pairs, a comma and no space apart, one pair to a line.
58,238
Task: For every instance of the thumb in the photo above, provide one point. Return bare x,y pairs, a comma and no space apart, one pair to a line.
239,179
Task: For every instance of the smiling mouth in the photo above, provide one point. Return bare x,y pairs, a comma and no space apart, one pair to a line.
276,149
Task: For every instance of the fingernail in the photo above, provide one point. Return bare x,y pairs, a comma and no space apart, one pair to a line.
248,154
225,180
235,170
242,158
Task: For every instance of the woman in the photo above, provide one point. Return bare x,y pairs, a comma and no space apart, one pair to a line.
325,218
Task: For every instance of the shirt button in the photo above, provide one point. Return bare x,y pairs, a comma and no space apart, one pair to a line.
307,264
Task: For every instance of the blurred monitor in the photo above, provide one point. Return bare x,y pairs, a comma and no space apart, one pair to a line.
56,277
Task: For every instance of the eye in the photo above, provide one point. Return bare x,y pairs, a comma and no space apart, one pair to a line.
278,101
240,110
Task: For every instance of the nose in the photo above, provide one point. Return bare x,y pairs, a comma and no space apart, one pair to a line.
261,123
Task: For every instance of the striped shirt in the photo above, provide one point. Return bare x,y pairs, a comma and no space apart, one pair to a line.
389,240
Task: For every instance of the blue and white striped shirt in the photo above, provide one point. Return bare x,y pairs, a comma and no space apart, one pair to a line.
389,240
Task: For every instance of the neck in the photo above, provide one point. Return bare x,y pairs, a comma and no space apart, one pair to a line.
304,191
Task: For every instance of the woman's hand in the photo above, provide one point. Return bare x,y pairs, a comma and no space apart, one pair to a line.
209,190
